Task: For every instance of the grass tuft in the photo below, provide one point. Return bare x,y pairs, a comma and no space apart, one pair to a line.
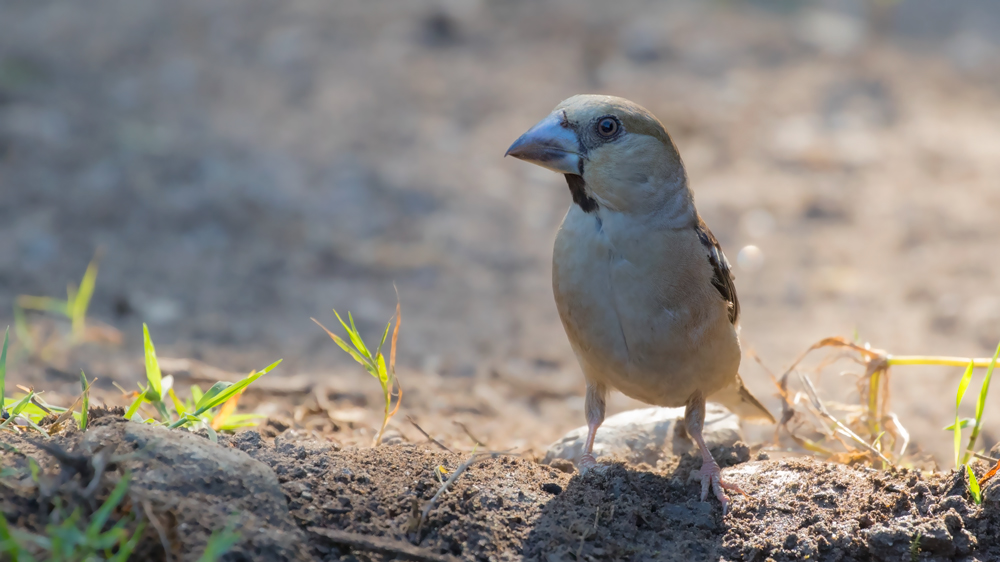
374,364
212,410
74,308
70,537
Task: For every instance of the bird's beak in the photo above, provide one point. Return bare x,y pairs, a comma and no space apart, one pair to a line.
551,144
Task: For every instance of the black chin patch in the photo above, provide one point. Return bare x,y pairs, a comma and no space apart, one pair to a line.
577,187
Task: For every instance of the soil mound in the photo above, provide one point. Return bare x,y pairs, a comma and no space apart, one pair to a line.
295,497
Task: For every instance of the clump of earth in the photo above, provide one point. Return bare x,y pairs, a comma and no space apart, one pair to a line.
295,496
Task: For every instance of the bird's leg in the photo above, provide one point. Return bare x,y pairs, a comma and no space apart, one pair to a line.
710,474
594,406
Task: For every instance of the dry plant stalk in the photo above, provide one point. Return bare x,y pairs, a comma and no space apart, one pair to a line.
861,434
427,435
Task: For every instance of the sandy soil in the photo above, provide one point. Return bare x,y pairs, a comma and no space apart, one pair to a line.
299,498
248,165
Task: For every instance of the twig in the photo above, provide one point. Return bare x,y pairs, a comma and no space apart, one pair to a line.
380,545
475,440
451,479
983,457
69,411
586,533
427,435
148,509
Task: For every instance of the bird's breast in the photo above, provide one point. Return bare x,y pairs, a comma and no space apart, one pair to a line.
638,310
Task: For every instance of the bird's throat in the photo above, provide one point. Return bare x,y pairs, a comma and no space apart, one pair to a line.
578,188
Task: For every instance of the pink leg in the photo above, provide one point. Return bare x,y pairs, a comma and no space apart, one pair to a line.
594,406
711,474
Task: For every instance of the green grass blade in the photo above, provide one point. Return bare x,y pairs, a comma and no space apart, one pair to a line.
33,411
962,424
9,545
237,421
963,384
44,304
385,335
100,517
980,408
355,331
230,391
220,543
85,409
178,405
153,374
21,404
134,407
3,368
353,334
210,395
81,301
342,344
161,408
383,379
125,550
974,491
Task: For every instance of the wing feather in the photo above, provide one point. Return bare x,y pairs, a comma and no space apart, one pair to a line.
723,278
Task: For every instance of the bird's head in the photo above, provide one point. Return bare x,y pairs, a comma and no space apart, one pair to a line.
622,152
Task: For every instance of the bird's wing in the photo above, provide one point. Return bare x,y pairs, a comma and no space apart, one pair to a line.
722,280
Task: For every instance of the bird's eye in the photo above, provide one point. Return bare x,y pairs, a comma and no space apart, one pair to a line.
607,127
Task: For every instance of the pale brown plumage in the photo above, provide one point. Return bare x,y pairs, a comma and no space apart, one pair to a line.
643,288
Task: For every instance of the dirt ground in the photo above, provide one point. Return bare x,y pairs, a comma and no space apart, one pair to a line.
299,498
245,165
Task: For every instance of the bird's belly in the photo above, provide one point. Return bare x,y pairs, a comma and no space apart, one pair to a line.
625,336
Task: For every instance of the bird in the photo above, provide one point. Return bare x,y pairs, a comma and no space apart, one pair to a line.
643,289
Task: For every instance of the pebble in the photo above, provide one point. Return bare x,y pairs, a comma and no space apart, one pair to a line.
650,433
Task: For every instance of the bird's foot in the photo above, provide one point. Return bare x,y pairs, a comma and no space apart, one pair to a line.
711,477
589,464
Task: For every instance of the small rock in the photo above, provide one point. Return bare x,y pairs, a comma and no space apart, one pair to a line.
203,483
552,488
646,435
934,537
563,465
991,494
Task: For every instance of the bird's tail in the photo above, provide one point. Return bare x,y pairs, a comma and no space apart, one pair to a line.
738,400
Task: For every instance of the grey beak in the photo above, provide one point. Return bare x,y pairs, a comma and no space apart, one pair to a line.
550,144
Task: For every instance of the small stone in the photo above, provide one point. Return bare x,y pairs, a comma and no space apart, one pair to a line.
563,465
552,488
647,435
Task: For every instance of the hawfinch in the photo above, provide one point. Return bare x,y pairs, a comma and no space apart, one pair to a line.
641,284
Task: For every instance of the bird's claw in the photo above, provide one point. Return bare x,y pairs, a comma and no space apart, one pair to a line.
711,477
589,464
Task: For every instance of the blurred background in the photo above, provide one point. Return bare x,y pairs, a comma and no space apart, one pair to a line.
245,164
